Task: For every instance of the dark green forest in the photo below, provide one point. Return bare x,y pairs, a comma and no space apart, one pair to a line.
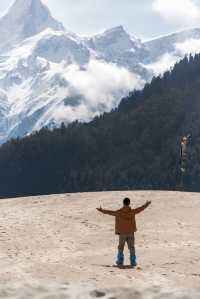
136,146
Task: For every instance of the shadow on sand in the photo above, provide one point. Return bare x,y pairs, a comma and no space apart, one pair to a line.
119,267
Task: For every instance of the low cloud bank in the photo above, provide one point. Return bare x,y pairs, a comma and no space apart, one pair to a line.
189,46
163,63
100,87
167,60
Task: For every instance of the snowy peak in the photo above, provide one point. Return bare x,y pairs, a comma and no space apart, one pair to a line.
115,30
117,46
25,18
117,34
114,42
20,7
33,12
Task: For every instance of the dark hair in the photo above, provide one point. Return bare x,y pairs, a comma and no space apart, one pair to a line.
126,201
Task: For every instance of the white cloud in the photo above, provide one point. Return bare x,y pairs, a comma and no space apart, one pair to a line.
163,63
167,61
189,46
181,12
101,86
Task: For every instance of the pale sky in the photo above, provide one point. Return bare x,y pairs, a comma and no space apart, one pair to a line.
142,18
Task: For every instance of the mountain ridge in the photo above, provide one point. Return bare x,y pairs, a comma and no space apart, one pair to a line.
46,68
23,19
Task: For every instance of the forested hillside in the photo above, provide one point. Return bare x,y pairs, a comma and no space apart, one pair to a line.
134,147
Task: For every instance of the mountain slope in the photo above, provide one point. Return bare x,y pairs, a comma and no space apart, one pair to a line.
171,43
134,147
41,68
33,78
49,78
25,18
49,75
117,46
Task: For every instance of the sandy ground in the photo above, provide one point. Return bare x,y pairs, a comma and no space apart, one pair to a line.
59,246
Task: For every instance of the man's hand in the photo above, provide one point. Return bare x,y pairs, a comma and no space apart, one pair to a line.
142,208
107,212
99,209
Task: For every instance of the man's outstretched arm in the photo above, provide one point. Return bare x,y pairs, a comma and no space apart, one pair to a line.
108,212
142,208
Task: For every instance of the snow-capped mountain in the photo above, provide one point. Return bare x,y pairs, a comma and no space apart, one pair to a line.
117,46
165,51
171,43
25,18
49,75
32,80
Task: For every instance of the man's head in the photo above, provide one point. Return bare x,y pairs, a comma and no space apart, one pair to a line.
126,202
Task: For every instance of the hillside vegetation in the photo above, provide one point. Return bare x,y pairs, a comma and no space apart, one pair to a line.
134,147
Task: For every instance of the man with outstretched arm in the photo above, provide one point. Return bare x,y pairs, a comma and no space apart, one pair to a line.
125,227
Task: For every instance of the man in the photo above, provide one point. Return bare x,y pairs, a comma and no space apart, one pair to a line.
125,227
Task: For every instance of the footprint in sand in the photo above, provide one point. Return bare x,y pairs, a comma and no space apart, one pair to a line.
97,294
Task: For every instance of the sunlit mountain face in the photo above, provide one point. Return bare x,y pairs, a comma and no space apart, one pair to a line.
49,75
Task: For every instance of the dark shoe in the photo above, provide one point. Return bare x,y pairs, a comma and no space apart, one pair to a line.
133,260
120,259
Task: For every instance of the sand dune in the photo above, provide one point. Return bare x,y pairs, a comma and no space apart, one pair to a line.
59,246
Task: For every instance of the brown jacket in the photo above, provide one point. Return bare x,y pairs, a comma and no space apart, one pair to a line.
125,222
